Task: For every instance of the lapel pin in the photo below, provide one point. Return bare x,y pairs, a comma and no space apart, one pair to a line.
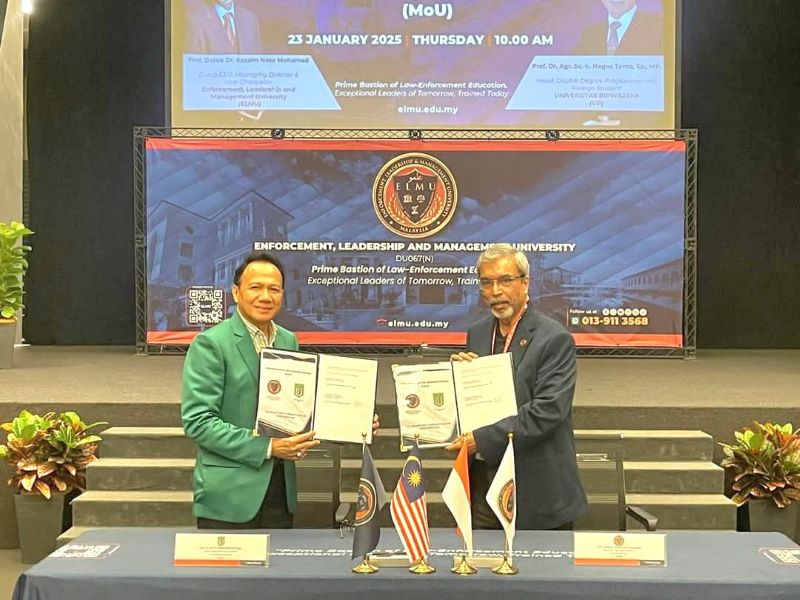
523,342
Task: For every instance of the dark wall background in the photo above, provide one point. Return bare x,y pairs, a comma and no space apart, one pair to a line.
741,89
96,68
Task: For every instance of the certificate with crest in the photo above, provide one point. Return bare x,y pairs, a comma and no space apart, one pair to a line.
426,405
438,402
286,391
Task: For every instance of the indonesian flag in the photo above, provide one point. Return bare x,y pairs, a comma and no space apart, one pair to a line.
502,495
456,497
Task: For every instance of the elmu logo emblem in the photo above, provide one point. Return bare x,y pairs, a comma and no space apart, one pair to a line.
412,401
506,501
415,195
365,509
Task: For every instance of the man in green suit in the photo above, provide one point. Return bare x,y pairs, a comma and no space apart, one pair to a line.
241,481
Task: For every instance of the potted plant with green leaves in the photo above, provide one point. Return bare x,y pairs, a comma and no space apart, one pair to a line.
765,464
13,266
49,455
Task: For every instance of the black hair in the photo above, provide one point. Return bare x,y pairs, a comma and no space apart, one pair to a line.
258,257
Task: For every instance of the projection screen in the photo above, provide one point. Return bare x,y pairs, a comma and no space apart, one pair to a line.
511,64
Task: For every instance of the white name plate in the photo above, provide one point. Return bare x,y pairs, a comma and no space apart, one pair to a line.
389,558
221,550
620,549
480,561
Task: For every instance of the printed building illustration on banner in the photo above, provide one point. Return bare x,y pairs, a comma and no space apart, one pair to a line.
603,231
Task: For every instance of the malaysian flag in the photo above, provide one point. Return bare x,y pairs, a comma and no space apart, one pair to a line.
410,510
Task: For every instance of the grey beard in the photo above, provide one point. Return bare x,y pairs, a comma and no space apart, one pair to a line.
506,313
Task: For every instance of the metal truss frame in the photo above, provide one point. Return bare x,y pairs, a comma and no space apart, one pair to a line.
140,239
689,136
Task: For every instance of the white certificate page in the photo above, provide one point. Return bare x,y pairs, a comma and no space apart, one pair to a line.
484,390
426,404
286,390
345,398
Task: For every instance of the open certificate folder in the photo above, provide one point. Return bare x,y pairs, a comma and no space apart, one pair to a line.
438,402
286,391
333,395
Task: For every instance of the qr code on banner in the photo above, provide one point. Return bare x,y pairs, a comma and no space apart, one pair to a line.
204,305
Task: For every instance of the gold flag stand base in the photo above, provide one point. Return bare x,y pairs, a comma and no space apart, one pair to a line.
422,568
505,568
365,567
463,567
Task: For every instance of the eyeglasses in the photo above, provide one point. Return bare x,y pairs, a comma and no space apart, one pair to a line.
503,282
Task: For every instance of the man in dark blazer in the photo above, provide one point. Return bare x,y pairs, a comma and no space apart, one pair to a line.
627,31
549,491
221,27
241,480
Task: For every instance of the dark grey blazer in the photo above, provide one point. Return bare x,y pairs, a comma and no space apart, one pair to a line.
206,35
549,491
644,37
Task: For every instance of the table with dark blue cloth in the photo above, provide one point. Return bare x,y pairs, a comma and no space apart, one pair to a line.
315,564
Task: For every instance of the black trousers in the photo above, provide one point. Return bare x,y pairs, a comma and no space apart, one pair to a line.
483,517
480,478
273,513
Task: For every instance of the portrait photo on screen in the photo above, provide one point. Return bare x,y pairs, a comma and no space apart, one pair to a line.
510,64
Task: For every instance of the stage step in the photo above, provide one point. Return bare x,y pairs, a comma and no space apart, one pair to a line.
679,477
146,442
673,477
144,478
70,534
141,474
171,442
688,511
663,444
674,511
132,509
645,444
148,509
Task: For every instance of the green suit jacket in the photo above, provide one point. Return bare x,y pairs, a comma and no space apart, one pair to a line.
218,410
